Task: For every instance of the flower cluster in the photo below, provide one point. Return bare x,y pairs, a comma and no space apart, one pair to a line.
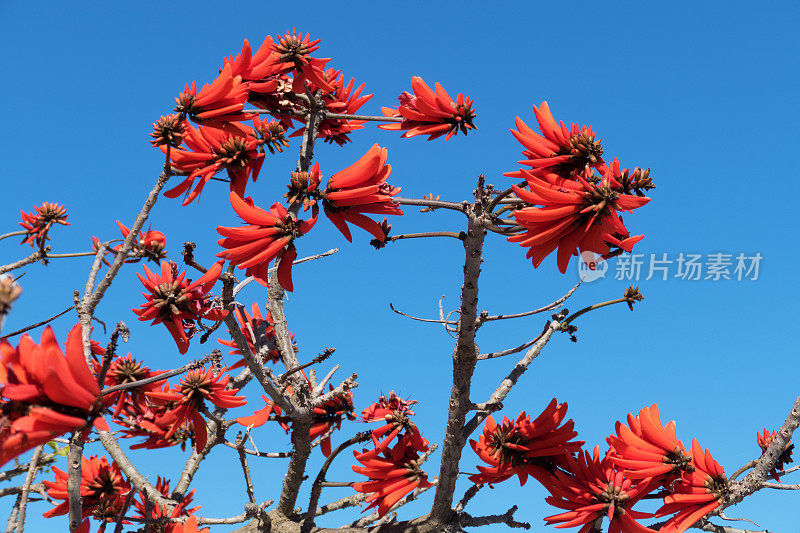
38,222
577,209
258,331
393,470
431,112
44,392
148,245
159,511
523,447
783,459
103,490
188,400
178,302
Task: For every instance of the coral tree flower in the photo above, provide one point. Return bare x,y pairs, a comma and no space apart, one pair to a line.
394,412
269,235
294,52
218,105
431,113
696,493
645,448
124,370
151,243
151,419
211,151
580,215
44,393
559,150
393,474
102,489
189,399
785,457
523,447
178,302
358,189
37,224
159,511
252,326
590,490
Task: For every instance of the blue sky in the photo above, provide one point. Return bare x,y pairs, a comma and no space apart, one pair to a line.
703,93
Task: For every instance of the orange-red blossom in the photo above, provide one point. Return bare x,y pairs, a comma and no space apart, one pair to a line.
102,488
269,235
431,113
178,302
44,392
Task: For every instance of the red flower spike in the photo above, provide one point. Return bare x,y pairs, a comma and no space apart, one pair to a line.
785,457
211,151
559,152
574,216
45,392
294,50
159,511
645,448
431,113
151,420
217,105
269,235
125,370
358,189
178,302
392,475
150,244
590,489
38,222
197,386
394,412
102,487
523,447
696,493
250,326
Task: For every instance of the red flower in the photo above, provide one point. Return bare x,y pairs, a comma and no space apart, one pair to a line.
392,475
260,70
647,449
125,370
358,189
394,412
431,113
218,105
294,50
151,420
188,397
158,511
523,447
44,394
558,151
269,235
696,493
785,457
213,150
103,490
178,302
251,327
575,215
151,243
592,489
37,225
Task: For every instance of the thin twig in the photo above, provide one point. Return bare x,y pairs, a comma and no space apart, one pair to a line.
549,307
248,480
448,322
510,351
13,234
453,234
23,502
461,207
42,323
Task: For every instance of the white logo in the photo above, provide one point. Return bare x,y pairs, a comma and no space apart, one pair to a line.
591,266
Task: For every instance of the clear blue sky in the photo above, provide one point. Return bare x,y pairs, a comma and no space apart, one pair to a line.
703,93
